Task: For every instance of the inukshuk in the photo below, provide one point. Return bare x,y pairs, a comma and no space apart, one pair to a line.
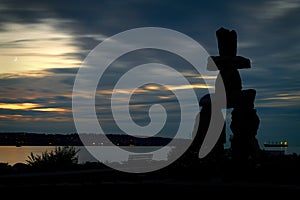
244,120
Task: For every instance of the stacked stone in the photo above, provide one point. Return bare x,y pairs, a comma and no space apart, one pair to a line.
244,119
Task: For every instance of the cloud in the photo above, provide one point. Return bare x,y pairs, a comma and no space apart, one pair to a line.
63,71
274,9
41,47
29,102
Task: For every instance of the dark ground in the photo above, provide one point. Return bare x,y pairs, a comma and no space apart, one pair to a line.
272,176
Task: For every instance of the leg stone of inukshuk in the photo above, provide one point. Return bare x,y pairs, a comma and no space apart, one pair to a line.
204,123
244,126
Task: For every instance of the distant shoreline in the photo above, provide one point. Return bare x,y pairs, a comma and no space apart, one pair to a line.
74,139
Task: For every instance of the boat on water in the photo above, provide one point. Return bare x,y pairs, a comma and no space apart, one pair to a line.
276,144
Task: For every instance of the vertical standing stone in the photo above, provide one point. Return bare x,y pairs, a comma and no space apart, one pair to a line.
227,42
244,125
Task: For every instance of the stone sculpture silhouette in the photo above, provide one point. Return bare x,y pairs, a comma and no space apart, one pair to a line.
245,122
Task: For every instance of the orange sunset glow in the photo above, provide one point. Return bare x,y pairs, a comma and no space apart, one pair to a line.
30,106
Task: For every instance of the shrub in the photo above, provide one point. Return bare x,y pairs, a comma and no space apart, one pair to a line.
59,157
5,168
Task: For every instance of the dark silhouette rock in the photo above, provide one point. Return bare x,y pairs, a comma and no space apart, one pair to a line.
227,42
244,125
204,122
245,121
216,63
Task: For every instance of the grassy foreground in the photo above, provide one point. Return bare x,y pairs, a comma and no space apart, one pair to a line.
271,175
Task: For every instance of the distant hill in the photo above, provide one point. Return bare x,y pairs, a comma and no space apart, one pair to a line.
38,139
44,139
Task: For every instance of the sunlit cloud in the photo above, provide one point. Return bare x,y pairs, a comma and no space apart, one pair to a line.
166,97
19,106
27,47
154,87
11,117
280,100
191,86
51,110
198,76
283,98
31,106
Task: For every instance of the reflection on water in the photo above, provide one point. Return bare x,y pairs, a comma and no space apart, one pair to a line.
13,154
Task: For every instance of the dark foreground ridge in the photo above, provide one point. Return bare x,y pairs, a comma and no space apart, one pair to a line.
272,175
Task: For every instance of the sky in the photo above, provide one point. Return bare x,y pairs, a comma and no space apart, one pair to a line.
44,43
